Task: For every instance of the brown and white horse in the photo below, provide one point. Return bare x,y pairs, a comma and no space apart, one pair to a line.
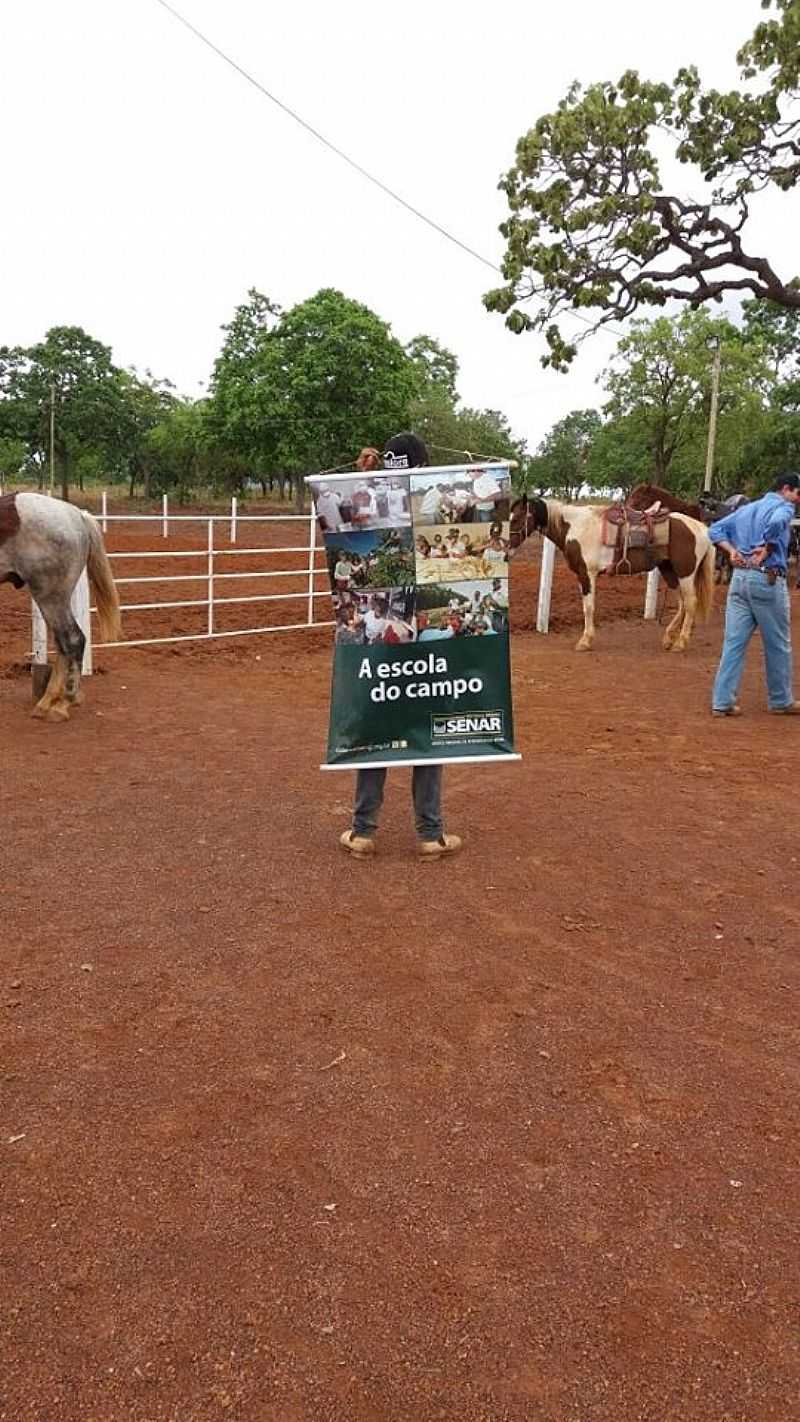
577,529
45,545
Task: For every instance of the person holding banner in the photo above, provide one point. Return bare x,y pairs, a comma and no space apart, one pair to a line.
403,451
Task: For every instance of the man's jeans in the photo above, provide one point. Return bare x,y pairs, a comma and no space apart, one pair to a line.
426,791
754,602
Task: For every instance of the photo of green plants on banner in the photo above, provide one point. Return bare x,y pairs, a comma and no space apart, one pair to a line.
418,563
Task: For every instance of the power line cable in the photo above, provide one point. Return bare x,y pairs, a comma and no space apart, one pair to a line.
345,157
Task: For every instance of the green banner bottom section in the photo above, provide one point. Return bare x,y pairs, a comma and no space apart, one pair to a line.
444,700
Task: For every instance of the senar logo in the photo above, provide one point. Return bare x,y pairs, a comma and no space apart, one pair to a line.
481,723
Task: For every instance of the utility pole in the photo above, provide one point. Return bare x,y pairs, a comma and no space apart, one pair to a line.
712,420
52,437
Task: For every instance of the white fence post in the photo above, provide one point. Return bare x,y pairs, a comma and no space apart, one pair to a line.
545,585
104,513
80,603
211,577
234,510
312,548
651,595
165,516
80,608
39,636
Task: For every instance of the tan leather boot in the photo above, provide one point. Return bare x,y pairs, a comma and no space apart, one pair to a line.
357,844
435,848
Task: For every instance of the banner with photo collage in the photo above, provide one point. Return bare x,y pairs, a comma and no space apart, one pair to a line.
418,564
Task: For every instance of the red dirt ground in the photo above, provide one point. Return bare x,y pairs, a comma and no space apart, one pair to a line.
286,1138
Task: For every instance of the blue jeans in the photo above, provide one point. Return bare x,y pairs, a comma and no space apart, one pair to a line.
426,791
754,602
485,516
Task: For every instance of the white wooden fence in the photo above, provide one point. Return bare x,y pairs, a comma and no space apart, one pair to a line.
208,577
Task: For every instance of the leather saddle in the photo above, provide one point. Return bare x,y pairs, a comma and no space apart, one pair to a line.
641,532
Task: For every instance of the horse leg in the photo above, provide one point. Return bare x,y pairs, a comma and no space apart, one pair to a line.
587,598
688,598
52,706
63,688
672,630
72,642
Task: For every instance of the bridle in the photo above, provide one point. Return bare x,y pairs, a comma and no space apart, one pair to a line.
528,522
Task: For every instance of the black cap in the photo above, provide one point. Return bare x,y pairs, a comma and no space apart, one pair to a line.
405,451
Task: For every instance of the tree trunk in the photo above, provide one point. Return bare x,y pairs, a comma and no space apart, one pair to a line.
63,460
299,494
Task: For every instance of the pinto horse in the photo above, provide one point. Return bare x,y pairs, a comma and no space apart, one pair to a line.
45,545
577,529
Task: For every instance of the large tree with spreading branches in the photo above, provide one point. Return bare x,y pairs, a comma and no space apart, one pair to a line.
592,227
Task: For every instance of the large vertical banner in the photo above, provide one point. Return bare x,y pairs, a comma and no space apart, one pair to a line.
418,563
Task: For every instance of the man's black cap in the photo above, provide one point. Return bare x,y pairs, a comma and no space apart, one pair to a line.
405,451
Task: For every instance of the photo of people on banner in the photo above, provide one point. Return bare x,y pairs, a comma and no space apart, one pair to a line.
375,559
418,567
349,505
471,609
461,552
440,496
385,615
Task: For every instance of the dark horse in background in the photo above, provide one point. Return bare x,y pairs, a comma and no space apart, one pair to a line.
707,510
45,545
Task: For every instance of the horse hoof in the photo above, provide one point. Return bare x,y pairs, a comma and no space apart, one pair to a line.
583,646
51,713
678,647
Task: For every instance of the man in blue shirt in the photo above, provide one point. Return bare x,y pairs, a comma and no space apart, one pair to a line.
756,539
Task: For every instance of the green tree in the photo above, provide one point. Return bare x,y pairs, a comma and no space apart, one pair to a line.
453,433
304,390
177,450
591,226
147,402
436,366
777,331
660,382
90,415
561,461
620,454
13,454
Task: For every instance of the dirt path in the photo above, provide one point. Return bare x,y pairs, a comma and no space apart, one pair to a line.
286,1138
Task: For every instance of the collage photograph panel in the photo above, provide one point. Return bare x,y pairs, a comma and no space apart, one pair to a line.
477,608
474,497
375,558
378,616
358,503
461,551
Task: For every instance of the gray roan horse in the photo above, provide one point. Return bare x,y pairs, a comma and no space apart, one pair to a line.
45,545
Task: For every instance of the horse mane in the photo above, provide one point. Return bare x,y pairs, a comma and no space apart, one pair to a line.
644,495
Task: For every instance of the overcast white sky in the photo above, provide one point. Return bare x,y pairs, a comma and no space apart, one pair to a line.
147,186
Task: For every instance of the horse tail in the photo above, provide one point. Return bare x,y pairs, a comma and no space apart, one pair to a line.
103,586
704,581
